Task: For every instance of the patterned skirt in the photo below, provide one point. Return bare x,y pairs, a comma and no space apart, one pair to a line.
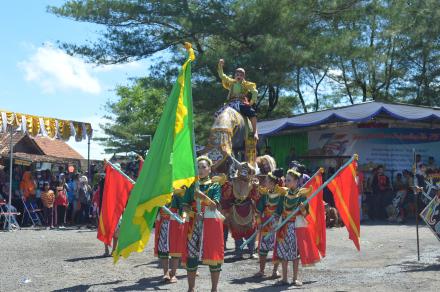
266,243
163,245
195,242
286,246
205,240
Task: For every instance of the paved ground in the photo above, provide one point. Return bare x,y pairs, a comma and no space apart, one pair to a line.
69,260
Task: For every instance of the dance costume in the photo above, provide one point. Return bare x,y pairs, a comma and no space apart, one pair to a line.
204,237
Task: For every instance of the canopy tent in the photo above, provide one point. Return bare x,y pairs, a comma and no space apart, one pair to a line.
354,113
45,126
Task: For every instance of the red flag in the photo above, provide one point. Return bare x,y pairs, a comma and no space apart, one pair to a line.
116,191
316,217
346,195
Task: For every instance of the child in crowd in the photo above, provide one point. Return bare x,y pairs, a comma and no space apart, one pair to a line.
48,199
61,205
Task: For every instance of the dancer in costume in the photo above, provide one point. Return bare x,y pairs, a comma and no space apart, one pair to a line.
238,90
286,248
168,244
239,198
271,194
205,227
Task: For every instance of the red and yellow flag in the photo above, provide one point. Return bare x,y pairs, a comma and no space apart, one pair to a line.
346,195
316,217
117,188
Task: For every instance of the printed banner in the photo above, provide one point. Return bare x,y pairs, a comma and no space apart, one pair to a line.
431,216
391,147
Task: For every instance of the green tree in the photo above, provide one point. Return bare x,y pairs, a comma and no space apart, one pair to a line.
304,55
134,116
421,52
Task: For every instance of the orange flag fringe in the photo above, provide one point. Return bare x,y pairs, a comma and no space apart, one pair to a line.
316,217
346,195
117,188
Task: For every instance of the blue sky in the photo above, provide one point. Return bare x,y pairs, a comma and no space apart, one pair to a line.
36,77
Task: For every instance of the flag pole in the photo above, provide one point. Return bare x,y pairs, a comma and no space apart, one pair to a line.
354,157
271,218
196,170
416,202
11,168
256,232
166,209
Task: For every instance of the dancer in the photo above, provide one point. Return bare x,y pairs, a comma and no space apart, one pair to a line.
168,243
205,229
237,98
286,248
271,194
239,198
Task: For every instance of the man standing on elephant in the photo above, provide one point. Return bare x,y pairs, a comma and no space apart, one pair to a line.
238,94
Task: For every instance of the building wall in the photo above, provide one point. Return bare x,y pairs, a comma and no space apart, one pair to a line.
281,145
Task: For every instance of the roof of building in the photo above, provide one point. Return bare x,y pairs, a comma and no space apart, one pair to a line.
39,145
56,148
354,113
20,143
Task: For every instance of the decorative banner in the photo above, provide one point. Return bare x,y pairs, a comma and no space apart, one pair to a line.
391,147
50,127
430,185
431,216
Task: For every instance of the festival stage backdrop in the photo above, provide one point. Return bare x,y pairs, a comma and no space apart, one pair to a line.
391,147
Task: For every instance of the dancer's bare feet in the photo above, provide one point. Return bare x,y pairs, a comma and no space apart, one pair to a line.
275,275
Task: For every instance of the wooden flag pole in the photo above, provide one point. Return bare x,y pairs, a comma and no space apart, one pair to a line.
416,202
256,232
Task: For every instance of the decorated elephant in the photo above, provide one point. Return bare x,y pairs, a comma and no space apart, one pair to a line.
229,136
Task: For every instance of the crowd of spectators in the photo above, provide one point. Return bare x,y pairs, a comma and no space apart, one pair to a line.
392,198
64,197
382,197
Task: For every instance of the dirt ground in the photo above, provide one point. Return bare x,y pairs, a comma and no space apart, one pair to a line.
70,260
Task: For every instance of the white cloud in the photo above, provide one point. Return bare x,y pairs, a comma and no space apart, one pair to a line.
54,70
96,149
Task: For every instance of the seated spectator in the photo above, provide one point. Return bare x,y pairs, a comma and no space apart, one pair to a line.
48,199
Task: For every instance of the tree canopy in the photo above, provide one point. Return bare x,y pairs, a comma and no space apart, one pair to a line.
304,55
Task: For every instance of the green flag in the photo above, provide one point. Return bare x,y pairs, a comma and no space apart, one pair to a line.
170,164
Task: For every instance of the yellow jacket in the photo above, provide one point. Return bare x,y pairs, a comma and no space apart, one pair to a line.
246,86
